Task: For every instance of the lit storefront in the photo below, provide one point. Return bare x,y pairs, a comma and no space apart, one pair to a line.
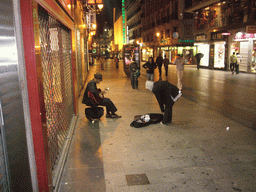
218,50
188,53
245,44
146,53
203,47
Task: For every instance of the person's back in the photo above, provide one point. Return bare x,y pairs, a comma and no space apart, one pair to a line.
159,60
166,61
233,58
179,62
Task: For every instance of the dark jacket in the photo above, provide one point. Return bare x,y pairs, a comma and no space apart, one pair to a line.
163,91
135,70
91,86
150,66
159,60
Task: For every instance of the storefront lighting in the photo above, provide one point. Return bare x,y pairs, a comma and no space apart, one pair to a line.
100,6
239,35
225,33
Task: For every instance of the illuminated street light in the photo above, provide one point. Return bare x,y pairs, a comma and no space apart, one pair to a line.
158,34
94,26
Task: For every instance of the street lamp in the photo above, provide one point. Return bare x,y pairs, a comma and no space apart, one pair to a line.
94,26
158,34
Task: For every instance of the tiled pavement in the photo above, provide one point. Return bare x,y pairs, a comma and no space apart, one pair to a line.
201,151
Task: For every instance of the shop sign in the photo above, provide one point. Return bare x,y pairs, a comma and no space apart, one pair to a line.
163,41
201,37
241,35
217,36
250,29
185,41
91,2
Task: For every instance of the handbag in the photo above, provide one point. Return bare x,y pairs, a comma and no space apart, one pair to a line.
149,85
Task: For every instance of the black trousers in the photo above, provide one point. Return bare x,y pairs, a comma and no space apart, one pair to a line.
160,69
134,82
110,107
168,113
166,70
232,66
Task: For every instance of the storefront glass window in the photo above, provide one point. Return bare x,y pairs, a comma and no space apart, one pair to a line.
253,67
219,55
205,49
146,53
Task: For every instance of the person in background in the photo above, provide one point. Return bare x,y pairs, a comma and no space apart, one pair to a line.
159,62
102,61
179,62
233,61
239,60
117,62
150,66
198,57
135,73
166,63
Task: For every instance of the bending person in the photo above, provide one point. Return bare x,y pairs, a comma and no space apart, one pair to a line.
166,95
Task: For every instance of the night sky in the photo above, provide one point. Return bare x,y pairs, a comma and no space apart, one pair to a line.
107,14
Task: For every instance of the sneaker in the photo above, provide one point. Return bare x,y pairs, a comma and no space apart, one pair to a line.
116,116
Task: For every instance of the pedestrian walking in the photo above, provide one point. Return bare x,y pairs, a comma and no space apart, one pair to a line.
117,62
198,57
166,63
102,61
159,62
150,66
179,62
238,62
135,73
233,62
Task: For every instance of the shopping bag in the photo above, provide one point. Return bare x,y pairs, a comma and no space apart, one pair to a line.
149,85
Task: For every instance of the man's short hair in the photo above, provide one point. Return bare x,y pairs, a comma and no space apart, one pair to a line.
98,76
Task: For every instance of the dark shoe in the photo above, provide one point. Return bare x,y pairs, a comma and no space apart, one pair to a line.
116,116
109,115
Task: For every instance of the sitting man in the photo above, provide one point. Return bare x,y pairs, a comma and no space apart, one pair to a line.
93,97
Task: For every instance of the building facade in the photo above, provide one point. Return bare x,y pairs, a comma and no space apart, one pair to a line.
166,30
43,67
224,27
134,24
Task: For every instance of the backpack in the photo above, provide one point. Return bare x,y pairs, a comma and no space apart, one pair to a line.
94,113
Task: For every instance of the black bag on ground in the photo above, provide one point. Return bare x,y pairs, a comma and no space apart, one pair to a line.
94,112
145,120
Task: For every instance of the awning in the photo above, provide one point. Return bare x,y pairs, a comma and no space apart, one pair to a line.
200,5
